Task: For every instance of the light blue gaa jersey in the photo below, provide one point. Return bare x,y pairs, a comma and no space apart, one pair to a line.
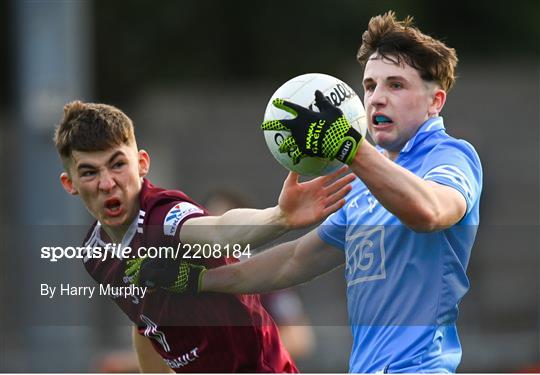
403,287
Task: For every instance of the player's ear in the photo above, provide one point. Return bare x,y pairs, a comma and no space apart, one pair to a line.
437,102
67,184
144,163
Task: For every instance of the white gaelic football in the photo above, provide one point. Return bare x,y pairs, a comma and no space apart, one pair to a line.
301,90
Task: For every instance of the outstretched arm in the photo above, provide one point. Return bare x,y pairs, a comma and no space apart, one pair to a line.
280,267
283,266
299,205
422,205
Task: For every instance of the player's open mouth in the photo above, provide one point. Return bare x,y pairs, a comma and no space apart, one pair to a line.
379,119
113,207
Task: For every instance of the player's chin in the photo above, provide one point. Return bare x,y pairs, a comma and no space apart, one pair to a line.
383,138
113,221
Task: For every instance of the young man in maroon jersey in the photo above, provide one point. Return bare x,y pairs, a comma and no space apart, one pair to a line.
182,332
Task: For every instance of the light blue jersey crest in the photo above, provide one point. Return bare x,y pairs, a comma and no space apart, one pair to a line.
403,287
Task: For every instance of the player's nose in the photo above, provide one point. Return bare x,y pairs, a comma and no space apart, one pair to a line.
378,97
106,181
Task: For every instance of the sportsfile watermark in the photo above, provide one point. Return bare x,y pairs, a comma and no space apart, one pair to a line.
57,282
117,251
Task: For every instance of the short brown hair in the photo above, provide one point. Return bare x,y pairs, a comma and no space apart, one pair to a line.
92,127
400,40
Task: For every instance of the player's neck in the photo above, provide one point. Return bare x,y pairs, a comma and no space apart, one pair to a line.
391,155
116,233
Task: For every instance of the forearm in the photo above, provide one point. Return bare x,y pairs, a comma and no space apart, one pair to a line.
280,267
299,205
239,226
410,198
264,272
252,226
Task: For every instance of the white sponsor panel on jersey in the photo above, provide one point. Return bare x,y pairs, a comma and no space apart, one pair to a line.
176,215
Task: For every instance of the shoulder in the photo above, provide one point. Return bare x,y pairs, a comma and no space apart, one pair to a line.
448,152
166,210
448,145
455,163
154,199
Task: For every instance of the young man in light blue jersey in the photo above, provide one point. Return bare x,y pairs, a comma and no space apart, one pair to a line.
406,232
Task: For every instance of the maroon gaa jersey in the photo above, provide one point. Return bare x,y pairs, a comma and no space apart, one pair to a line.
207,332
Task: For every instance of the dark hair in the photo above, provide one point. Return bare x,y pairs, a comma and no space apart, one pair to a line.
92,127
400,41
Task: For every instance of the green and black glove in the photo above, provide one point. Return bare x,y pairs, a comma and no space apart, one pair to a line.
174,275
326,134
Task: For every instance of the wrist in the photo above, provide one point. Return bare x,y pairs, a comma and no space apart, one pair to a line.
200,283
349,146
279,217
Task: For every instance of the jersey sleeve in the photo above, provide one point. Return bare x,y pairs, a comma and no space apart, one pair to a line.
334,229
166,220
456,164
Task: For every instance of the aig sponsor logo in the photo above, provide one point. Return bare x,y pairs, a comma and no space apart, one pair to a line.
365,254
